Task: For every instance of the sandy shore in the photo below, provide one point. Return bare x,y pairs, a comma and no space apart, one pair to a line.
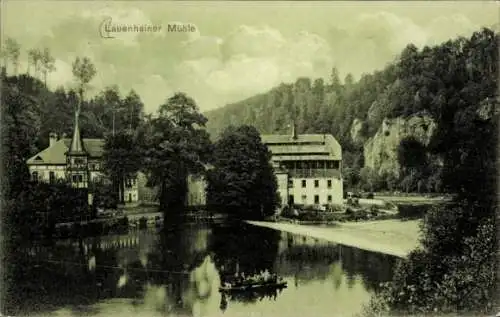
392,237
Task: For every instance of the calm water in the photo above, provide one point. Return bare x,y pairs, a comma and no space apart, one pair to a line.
178,272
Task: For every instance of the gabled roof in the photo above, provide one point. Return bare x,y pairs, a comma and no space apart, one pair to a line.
56,154
304,147
51,155
93,147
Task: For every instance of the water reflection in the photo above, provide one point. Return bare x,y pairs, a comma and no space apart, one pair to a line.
178,271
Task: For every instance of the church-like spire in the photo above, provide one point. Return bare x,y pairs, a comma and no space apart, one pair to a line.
76,142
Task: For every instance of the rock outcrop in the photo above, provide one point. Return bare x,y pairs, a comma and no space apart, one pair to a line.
356,131
380,151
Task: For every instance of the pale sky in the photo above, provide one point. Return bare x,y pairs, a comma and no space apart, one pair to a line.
239,48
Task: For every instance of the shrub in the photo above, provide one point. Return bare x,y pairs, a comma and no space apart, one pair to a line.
455,270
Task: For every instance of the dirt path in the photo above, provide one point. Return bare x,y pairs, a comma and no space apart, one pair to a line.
392,237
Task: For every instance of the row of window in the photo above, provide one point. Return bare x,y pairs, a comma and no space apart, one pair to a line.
316,183
36,177
291,165
304,199
130,182
75,178
80,162
52,177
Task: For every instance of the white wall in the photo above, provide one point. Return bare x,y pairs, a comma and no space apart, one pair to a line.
283,188
132,192
44,172
323,191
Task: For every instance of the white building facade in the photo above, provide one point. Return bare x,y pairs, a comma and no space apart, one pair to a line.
308,168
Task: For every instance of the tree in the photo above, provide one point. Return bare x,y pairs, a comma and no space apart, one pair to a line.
368,178
133,108
34,58
455,270
412,158
175,145
108,103
242,182
47,64
121,160
11,51
83,70
20,127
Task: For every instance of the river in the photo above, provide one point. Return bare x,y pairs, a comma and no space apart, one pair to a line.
177,272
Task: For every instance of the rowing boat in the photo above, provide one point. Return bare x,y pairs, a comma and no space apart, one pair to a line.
253,286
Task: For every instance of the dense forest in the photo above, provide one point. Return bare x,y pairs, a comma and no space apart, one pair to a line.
449,83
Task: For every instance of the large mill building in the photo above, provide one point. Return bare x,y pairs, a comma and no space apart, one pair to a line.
308,168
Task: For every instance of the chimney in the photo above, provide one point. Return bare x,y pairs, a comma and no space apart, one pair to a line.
52,138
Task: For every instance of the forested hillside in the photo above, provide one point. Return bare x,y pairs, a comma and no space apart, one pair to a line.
447,86
53,111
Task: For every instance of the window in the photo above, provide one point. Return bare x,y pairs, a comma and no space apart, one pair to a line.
316,183
290,183
79,161
316,199
52,177
80,178
75,178
329,198
34,176
303,183
304,199
329,183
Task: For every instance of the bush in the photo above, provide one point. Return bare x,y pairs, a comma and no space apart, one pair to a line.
454,272
334,208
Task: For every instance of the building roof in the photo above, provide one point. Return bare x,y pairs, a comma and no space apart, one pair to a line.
76,146
56,154
304,147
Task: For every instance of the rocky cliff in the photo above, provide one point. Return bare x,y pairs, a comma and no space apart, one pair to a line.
380,151
357,131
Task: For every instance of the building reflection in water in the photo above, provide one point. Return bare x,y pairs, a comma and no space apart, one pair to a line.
178,272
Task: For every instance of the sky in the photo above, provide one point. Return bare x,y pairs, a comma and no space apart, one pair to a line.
237,49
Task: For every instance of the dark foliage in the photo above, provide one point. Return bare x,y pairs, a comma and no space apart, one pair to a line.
175,144
242,182
455,271
121,160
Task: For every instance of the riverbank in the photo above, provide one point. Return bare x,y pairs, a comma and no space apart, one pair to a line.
394,237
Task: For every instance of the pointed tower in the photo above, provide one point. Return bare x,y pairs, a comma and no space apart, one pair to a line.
77,158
